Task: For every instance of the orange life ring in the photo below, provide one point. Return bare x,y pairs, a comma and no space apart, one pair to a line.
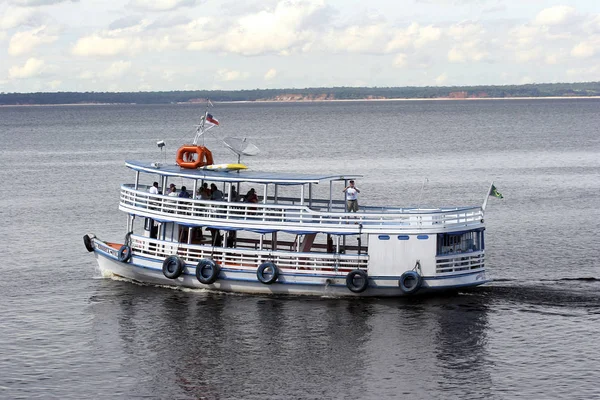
190,156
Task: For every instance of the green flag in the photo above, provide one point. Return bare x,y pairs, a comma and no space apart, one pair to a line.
494,192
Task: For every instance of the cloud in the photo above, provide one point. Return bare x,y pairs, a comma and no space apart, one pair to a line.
526,80
552,59
584,74
529,55
54,84
117,69
270,74
380,38
13,17
441,78
279,30
424,34
469,45
96,45
170,21
592,26
161,5
25,41
557,15
584,50
399,60
34,3
32,67
86,75
399,40
495,9
226,75
125,22
524,36
361,39
455,55
465,30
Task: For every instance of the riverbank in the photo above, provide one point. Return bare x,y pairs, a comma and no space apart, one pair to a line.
315,101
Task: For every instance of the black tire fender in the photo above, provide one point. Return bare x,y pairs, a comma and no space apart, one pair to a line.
204,266
267,272
357,281
410,282
124,253
87,241
173,267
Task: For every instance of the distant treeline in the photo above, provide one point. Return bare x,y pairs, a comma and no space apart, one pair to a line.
336,93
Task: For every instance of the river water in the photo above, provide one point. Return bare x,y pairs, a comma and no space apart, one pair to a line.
68,333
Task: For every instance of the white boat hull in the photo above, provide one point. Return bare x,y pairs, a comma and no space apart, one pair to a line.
149,271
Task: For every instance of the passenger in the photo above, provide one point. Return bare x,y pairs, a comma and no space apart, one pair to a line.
234,194
351,197
184,193
154,188
251,196
215,193
172,191
204,192
216,237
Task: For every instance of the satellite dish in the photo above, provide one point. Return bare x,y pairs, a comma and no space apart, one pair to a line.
241,147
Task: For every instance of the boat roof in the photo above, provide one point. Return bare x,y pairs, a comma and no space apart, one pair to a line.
281,178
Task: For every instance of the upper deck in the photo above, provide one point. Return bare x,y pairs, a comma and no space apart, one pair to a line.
276,213
286,215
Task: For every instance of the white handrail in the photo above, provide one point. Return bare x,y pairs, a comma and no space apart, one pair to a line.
248,258
273,216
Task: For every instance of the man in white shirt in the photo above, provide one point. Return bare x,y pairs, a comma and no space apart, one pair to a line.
351,197
154,188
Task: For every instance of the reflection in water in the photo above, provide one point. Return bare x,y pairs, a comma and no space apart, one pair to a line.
193,344
223,346
419,347
462,345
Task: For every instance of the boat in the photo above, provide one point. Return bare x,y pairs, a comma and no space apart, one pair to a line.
294,235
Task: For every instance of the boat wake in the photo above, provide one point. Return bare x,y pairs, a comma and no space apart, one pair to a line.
580,279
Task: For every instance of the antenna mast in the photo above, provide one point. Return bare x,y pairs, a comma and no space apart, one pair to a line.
200,128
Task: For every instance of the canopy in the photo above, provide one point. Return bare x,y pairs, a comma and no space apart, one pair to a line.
264,177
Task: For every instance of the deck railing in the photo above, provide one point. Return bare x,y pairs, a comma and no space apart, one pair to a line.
290,217
249,259
459,262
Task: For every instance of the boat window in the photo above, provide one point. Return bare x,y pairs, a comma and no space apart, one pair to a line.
403,237
460,242
423,237
384,237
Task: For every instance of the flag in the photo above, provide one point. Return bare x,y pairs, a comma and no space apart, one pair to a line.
494,192
209,118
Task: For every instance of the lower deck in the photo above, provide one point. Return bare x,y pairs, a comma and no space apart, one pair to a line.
383,255
144,268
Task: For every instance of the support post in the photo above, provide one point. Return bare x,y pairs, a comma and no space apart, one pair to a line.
330,196
137,179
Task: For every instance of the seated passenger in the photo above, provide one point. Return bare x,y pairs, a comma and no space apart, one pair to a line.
234,194
216,194
203,192
184,193
251,196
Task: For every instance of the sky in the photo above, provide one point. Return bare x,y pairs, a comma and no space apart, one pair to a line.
162,45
